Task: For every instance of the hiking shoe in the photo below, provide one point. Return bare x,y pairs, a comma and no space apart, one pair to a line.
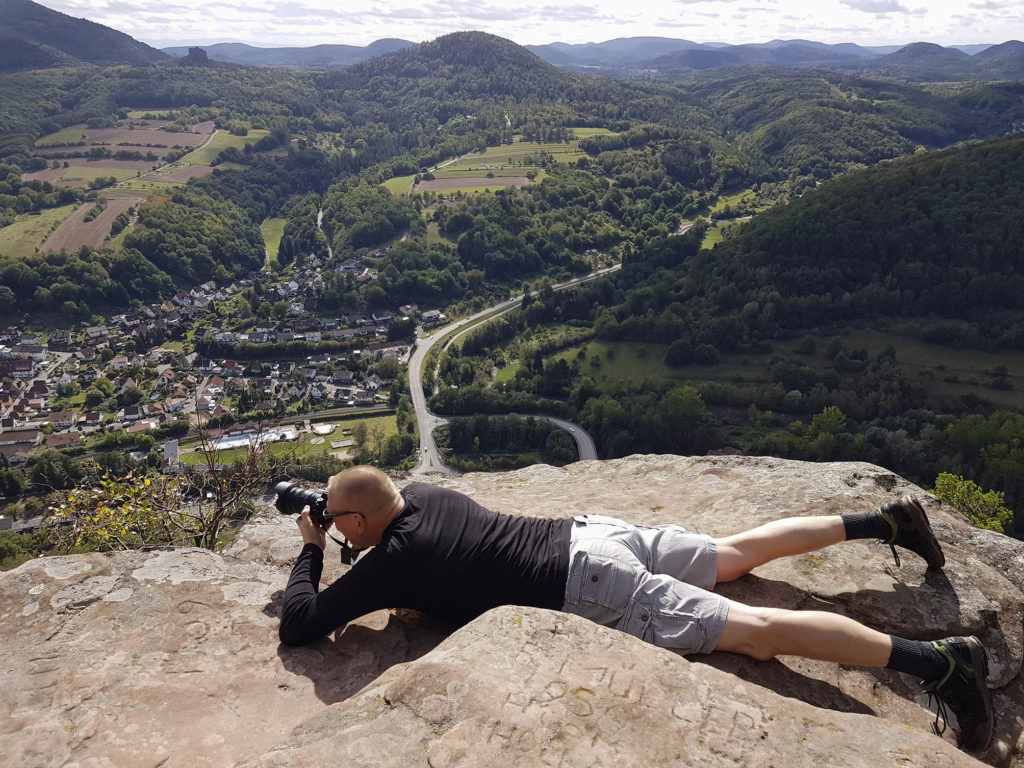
963,690
910,530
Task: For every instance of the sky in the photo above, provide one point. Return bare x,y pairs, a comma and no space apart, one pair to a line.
273,23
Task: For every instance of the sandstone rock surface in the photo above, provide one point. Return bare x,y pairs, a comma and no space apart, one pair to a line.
171,658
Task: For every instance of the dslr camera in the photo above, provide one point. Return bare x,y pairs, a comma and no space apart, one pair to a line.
291,498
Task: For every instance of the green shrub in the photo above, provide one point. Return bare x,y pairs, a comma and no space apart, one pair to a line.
985,509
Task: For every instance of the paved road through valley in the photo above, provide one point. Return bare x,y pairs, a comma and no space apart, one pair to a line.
427,422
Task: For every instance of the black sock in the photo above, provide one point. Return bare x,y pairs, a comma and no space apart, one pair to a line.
917,657
866,525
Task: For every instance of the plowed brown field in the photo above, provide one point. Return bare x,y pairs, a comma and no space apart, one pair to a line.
73,233
441,185
52,175
181,175
141,139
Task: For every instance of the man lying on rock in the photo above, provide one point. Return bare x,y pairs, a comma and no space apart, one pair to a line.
440,552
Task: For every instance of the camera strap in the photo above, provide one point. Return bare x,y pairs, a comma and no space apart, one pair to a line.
348,553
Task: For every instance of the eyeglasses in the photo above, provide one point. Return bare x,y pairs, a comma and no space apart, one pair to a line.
334,515
348,552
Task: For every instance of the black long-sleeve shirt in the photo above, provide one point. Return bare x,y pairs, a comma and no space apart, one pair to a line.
443,554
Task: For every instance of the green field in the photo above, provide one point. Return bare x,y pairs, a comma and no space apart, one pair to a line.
21,239
942,371
399,185
712,237
221,140
621,362
148,186
617,363
91,173
505,160
721,202
506,374
715,233
303,448
272,230
475,172
472,190
511,159
434,234
160,114
934,365
70,135
117,241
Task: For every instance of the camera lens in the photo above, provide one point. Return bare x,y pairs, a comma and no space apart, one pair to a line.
291,499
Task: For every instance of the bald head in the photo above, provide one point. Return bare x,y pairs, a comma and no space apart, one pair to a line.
366,490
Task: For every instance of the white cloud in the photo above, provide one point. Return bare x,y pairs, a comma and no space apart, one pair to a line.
875,6
359,22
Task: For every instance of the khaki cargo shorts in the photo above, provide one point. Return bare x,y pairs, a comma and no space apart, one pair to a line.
652,582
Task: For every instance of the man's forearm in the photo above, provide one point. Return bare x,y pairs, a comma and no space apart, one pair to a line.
303,585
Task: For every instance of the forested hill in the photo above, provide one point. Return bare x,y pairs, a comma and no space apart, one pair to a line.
939,234
462,65
35,37
493,86
926,62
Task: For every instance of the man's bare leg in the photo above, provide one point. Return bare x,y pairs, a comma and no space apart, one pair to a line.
739,553
764,633
954,668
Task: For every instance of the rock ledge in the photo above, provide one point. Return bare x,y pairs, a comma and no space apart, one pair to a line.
171,657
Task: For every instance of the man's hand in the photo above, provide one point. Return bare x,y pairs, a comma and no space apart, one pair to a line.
311,532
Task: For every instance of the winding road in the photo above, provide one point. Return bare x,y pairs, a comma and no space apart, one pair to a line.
430,458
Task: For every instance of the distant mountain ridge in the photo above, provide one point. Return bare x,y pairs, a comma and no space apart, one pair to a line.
670,56
917,61
313,57
35,37
640,52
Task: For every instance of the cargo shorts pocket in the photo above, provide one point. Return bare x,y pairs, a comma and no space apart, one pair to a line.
670,614
682,631
604,580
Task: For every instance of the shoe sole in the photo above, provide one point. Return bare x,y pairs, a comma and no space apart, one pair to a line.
919,524
979,660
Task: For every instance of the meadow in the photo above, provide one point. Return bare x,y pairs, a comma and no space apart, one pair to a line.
746,196
399,185
70,135
273,231
146,185
484,171
221,140
513,159
943,372
28,233
471,184
158,114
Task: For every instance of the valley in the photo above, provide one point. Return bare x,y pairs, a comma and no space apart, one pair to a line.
804,262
